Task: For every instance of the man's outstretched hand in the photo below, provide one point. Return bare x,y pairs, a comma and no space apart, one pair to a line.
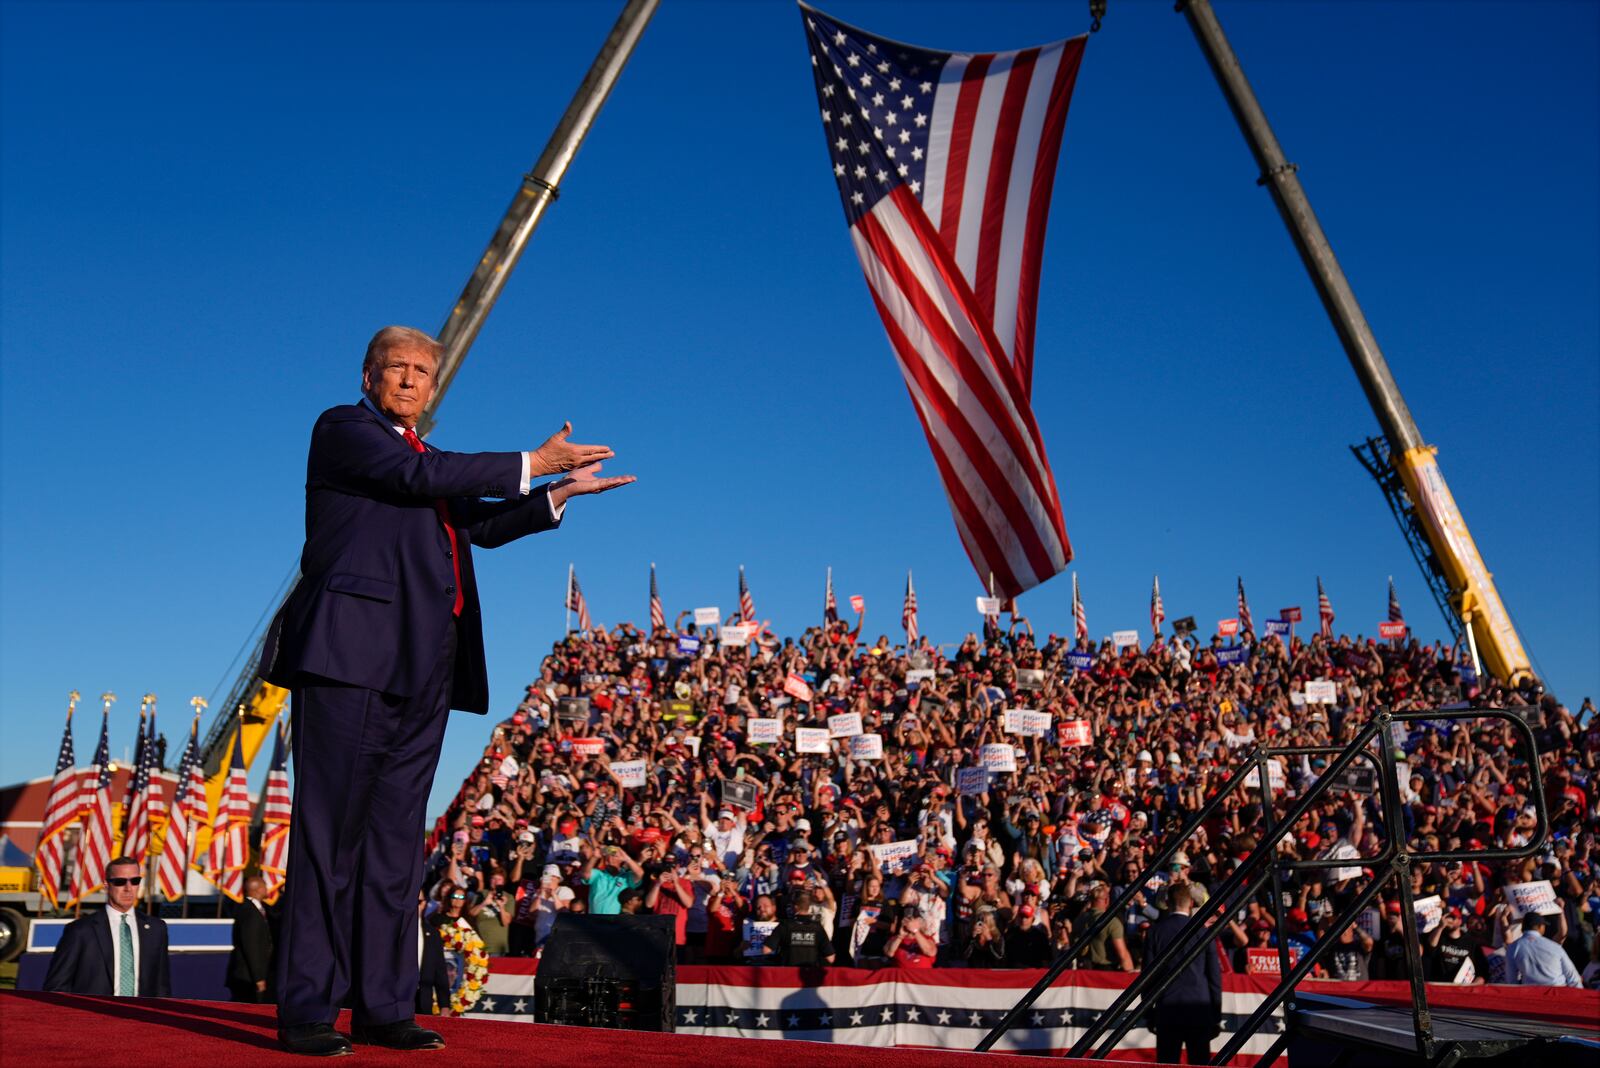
585,480
558,454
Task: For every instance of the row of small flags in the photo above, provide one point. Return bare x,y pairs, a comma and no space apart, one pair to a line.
82,801
575,602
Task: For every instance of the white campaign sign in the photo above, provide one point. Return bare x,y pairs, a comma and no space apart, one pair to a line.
972,780
765,731
895,857
1466,973
844,725
707,617
735,634
1321,692
866,747
811,740
1119,638
988,606
1539,896
629,773
1027,722
919,675
998,756
1275,775
1430,912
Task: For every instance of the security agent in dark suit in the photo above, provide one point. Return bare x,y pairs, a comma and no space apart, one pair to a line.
115,953
433,979
249,965
379,640
1189,1012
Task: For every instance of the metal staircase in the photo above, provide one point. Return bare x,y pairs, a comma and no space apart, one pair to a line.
1375,744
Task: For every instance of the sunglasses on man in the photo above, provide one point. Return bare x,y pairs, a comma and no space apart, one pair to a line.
132,880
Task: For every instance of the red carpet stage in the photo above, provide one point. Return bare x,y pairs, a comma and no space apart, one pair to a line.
61,1030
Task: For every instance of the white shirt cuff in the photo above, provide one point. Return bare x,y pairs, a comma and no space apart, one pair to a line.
527,488
527,475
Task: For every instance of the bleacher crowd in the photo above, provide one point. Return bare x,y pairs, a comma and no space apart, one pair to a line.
764,853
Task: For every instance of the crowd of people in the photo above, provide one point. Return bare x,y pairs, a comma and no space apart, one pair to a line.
640,773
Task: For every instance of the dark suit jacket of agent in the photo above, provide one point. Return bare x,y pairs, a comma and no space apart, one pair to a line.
434,979
376,581
85,962
251,959
1194,1000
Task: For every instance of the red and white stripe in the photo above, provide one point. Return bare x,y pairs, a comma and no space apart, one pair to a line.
230,833
1080,619
1158,611
1244,609
1324,611
576,602
973,409
276,805
908,613
60,816
658,615
188,815
747,604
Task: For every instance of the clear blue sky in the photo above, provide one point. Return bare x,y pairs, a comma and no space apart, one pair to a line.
208,208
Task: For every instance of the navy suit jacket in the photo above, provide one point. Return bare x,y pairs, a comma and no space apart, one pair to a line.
376,582
1194,1000
85,962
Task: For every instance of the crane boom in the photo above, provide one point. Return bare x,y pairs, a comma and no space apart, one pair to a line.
258,702
1429,505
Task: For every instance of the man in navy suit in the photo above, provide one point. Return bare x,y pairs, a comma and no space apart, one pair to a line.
379,640
1188,1014
115,953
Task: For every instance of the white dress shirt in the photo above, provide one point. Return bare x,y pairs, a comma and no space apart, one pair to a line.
527,476
114,919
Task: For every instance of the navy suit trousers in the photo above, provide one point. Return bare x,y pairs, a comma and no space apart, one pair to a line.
364,763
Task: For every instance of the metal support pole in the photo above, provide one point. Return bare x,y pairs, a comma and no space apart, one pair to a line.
1394,821
539,188
1279,176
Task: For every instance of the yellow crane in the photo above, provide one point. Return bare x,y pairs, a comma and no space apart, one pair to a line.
1406,467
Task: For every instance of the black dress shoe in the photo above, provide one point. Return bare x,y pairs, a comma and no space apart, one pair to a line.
403,1034
314,1040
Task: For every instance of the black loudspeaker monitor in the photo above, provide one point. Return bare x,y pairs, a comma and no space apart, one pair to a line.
608,971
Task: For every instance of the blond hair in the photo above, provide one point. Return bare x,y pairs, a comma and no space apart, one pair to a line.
399,337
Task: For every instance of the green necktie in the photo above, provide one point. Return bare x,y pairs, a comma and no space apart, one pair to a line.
125,979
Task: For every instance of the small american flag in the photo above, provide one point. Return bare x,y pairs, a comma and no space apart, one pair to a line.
658,615
1324,610
1080,619
275,811
747,604
1244,609
94,847
944,164
230,833
136,840
830,607
1395,615
1158,614
188,815
575,601
60,815
908,614
129,791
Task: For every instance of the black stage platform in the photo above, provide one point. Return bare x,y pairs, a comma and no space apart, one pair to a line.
1333,1031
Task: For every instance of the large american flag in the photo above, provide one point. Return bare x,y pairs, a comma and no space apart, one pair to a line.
187,817
908,613
830,606
230,831
575,600
747,604
1080,618
1244,609
136,838
1324,610
275,810
944,163
1158,612
1395,615
94,844
658,615
60,815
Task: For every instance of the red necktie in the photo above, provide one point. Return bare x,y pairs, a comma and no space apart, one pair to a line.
444,520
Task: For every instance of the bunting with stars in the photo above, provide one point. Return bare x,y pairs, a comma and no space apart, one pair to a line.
944,163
